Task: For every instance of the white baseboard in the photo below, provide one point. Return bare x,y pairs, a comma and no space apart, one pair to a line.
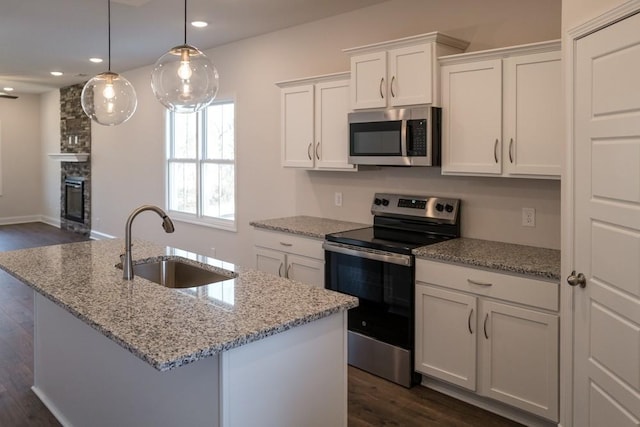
55,222
51,407
20,219
98,235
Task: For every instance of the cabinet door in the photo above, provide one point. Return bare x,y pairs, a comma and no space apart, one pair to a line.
306,270
332,126
520,357
533,114
472,118
446,330
368,81
297,126
270,261
410,75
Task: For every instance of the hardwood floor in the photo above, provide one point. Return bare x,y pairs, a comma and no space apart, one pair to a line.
373,402
377,402
18,405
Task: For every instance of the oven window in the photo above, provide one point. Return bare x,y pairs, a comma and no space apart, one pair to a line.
376,282
375,139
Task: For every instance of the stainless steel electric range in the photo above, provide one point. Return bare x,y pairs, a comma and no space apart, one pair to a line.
376,265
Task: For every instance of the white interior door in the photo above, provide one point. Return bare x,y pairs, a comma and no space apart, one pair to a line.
607,226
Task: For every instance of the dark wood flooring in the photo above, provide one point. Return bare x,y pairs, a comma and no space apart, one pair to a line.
18,405
373,402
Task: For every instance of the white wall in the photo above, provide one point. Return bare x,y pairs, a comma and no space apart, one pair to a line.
128,167
21,198
50,137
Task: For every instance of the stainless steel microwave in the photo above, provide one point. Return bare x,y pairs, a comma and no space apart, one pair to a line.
399,137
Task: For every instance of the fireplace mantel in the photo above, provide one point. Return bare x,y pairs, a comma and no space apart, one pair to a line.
70,157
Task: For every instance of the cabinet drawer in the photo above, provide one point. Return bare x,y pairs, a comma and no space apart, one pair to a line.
521,290
285,242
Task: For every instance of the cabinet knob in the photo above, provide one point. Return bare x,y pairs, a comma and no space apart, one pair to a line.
577,280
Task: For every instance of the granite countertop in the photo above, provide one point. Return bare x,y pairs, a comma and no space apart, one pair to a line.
309,226
168,327
538,263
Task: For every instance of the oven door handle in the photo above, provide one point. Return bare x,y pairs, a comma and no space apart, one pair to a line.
382,256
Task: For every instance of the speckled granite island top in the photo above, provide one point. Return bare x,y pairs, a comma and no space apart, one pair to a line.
309,226
168,327
531,261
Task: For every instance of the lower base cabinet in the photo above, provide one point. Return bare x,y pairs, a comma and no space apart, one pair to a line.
469,336
293,257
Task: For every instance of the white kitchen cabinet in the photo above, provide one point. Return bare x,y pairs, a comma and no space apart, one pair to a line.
369,72
442,316
296,126
491,333
520,357
271,261
314,124
400,72
291,256
502,112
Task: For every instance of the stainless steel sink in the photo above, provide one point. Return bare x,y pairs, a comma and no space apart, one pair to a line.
174,273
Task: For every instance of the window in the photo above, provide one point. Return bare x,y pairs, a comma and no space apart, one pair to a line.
201,166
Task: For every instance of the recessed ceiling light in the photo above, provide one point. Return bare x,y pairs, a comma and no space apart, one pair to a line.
56,73
199,24
7,89
95,60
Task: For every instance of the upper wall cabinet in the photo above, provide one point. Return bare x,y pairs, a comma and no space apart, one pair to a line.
400,72
502,112
314,127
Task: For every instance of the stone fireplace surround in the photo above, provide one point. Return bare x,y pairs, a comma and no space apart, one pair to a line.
75,137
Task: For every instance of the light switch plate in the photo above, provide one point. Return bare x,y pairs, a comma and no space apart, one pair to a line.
337,199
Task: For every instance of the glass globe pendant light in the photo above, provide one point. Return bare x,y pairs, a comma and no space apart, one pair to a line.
184,79
108,98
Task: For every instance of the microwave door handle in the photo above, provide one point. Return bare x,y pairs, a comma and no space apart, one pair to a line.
403,139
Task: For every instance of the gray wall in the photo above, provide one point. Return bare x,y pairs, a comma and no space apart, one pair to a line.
21,159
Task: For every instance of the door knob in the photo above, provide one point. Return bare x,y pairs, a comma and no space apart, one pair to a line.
577,280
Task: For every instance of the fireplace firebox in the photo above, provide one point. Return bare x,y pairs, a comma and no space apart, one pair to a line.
74,198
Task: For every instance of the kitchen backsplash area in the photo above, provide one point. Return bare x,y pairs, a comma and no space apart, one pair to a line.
75,137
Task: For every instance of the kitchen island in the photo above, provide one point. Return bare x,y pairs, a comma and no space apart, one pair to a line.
252,350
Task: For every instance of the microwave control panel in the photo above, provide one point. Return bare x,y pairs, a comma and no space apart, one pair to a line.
417,137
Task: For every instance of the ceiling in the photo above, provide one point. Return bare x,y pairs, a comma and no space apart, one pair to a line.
40,36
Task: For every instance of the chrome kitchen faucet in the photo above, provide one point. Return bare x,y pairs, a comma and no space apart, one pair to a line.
127,261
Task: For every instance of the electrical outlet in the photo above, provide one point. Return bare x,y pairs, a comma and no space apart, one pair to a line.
337,198
528,217
213,252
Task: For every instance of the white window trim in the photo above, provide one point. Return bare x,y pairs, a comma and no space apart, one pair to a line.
195,219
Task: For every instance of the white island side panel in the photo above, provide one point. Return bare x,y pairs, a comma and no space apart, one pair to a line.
297,377
85,379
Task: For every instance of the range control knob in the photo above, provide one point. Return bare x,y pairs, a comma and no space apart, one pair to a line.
439,207
448,208
377,201
385,202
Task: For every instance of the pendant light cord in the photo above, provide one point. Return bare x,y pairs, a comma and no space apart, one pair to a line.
185,21
109,31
